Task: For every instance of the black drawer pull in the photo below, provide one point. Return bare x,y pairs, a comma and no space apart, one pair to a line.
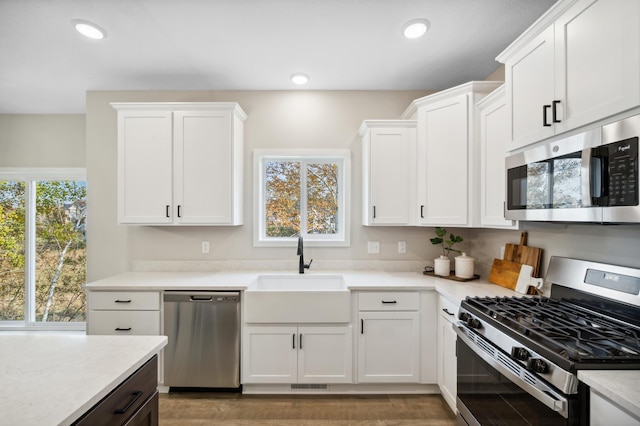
422,212
361,326
167,211
122,301
389,302
293,340
136,395
300,345
446,311
123,329
179,211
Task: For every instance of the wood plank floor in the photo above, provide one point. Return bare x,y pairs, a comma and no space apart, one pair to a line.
234,409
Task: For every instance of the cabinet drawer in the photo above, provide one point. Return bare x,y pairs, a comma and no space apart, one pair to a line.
448,309
389,301
141,323
124,300
117,407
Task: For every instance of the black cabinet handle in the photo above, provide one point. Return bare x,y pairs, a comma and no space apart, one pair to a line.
167,211
374,212
361,326
544,115
136,395
422,212
446,311
179,211
389,302
123,329
122,301
554,112
300,345
293,340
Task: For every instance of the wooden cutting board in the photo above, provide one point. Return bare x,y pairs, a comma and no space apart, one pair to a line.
505,273
524,254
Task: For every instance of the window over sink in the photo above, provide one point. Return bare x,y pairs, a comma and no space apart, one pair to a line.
301,193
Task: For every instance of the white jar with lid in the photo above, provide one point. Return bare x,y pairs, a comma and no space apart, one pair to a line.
464,266
442,266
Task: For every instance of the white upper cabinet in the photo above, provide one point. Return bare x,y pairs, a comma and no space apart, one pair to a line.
448,155
388,164
492,112
578,64
180,164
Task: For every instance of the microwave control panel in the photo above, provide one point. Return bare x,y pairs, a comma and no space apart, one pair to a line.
623,172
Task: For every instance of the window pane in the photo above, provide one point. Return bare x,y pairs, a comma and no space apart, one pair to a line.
61,213
322,198
12,262
282,196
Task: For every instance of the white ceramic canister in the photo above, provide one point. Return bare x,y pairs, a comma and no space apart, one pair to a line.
464,266
442,266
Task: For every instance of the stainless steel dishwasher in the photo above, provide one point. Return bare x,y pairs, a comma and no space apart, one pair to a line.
203,329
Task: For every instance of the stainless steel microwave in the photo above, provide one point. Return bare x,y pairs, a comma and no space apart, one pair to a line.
588,177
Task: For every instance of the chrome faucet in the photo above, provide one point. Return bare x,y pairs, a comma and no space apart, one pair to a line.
302,266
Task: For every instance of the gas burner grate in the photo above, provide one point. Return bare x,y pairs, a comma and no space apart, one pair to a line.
568,329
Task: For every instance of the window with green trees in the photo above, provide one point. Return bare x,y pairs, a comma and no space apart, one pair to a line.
42,248
302,195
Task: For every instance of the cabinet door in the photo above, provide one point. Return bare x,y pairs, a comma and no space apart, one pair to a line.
493,141
390,157
530,86
388,347
597,60
443,149
269,355
203,159
447,368
144,167
324,354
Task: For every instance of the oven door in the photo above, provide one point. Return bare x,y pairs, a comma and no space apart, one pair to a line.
494,389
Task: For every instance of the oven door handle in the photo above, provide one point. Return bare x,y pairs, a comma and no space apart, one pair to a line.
540,391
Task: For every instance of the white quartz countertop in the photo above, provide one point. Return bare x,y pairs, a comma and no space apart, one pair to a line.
53,379
241,280
620,386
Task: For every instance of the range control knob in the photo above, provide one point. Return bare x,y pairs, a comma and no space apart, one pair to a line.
520,353
537,366
474,323
463,316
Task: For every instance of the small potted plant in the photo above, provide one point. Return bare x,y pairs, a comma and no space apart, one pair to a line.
442,265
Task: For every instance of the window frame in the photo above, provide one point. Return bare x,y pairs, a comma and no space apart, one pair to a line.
31,175
342,157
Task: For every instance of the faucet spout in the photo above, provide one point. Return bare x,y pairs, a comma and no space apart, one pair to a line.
301,265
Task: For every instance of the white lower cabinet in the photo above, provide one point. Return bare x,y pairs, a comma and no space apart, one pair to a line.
447,359
388,337
604,412
290,354
123,312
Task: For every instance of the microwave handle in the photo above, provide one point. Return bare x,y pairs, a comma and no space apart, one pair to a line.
597,176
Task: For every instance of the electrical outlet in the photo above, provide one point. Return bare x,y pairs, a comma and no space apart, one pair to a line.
373,247
205,247
402,247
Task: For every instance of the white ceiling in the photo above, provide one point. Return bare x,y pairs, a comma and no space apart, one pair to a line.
46,67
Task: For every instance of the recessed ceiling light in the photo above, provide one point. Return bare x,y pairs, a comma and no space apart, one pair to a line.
89,29
415,28
299,78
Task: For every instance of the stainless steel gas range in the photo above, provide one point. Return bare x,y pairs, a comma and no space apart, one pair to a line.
518,357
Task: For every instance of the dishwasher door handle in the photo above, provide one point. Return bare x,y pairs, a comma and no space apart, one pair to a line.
201,298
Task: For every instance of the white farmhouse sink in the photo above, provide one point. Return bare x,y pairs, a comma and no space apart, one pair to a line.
297,298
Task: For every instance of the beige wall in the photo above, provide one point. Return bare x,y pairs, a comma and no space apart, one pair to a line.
42,140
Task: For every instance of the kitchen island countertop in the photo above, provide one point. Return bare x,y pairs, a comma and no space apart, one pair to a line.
53,378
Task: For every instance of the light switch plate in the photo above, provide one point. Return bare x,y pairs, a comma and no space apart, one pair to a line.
373,247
